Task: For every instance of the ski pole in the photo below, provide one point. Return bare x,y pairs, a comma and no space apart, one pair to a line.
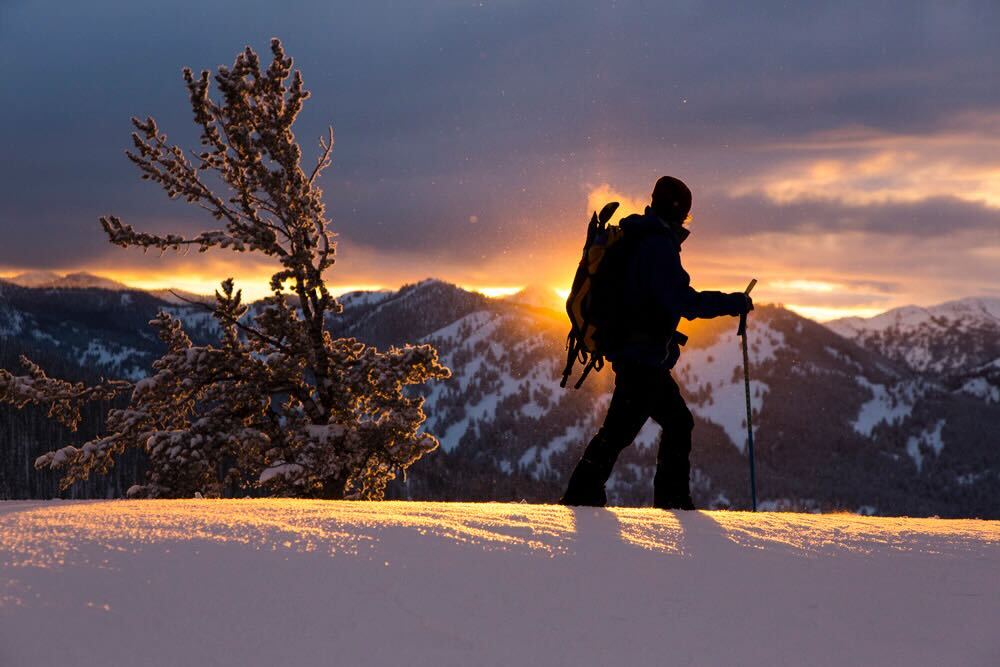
742,332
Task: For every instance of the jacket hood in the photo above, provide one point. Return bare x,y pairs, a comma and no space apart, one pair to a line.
650,222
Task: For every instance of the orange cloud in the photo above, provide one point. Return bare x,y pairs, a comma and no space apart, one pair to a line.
863,166
805,285
827,313
601,194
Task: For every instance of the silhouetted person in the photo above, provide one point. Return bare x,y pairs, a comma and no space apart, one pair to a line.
657,295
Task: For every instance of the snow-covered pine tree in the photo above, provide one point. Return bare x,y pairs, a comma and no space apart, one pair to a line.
278,402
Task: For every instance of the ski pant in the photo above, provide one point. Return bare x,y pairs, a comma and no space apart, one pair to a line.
640,393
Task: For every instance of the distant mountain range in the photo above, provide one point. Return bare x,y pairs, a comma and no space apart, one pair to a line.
84,280
957,343
896,414
77,280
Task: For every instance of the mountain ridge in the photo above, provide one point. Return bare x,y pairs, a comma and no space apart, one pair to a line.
532,295
73,280
839,423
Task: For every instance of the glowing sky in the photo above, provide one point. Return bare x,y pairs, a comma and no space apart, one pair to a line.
846,155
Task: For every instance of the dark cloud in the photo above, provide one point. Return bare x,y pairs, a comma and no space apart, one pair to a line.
503,111
934,217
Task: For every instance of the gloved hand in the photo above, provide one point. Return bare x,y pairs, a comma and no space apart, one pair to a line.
745,303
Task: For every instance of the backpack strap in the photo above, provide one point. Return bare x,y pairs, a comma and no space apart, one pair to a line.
596,363
574,349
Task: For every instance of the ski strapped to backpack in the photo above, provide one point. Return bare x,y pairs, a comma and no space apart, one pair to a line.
586,335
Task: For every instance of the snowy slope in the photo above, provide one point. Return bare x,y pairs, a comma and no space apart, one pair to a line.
318,583
951,337
971,310
710,374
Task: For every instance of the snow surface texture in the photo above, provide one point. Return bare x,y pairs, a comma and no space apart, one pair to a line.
280,582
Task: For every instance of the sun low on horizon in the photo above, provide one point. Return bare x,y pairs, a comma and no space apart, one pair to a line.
549,296
547,272
820,294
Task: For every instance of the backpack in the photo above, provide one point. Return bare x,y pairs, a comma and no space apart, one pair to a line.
593,300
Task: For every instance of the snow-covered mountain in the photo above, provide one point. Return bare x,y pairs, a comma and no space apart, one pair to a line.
951,337
84,280
837,425
840,422
79,280
955,344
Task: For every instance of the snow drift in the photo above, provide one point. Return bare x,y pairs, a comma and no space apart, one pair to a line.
281,582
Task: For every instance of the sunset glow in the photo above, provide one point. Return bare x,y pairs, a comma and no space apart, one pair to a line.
866,167
803,285
827,294
843,189
821,314
495,291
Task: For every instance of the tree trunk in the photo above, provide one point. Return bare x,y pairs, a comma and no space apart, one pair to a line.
333,488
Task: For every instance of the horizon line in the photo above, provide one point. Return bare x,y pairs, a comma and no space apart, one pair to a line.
820,314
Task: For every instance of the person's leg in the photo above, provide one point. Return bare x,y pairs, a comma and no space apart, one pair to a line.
628,411
671,483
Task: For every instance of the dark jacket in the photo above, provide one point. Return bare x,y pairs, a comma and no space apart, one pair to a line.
657,294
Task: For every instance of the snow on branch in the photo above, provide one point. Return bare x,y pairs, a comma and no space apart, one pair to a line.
64,399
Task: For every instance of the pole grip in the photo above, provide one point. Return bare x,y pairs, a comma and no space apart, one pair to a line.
742,331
